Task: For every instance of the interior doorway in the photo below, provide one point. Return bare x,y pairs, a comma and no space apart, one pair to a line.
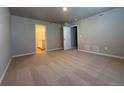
74,37
40,32
70,36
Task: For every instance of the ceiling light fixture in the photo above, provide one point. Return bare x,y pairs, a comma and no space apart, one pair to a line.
65,9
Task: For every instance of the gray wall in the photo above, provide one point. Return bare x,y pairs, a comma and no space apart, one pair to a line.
97,33
5,54
23,35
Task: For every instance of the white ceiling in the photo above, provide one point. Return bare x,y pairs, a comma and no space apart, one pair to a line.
56,14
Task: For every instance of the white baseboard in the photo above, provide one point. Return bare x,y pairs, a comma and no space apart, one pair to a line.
120,57
54,49
5,70
23,54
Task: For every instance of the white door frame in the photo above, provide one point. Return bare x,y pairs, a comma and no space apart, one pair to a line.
45,37
77,34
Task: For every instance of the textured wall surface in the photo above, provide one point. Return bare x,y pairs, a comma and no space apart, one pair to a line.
103,32
23,35
5,53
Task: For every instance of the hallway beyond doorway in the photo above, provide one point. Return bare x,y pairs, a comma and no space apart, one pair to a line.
40,38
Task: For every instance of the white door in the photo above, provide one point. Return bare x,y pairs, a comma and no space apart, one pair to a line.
67,37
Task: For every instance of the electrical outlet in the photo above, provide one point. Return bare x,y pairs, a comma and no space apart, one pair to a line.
80,36
106,48
95,48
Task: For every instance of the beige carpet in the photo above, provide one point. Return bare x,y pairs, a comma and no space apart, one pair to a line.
65,68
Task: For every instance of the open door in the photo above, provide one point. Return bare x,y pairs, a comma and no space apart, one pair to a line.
67,37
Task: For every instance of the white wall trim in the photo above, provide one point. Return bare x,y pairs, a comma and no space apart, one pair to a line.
5,70
120,57
54,49
23,54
